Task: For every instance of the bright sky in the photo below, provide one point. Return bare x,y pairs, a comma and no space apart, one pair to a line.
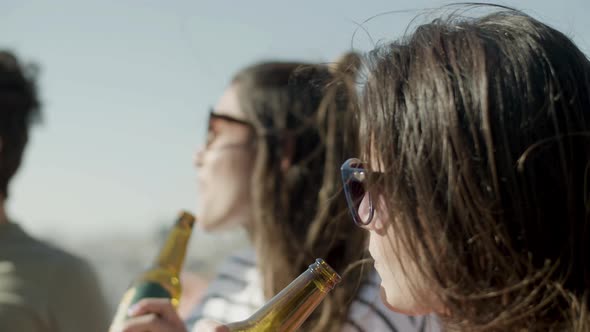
126,86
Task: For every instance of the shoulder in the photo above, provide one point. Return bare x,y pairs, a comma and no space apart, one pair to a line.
63,265
234,293
20,247
37,264
48,272
32,271
15,318
237,280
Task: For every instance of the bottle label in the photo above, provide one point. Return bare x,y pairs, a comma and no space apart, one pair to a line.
149,289
134,295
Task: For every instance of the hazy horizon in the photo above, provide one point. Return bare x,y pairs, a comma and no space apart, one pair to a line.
126,86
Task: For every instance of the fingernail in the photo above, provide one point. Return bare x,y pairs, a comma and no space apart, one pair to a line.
132,310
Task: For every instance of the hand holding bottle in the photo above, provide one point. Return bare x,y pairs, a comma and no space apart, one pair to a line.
159,315
154,315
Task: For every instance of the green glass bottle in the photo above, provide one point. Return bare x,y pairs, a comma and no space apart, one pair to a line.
162,279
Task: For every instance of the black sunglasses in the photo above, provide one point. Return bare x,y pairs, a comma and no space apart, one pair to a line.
354,176
211,133
213,116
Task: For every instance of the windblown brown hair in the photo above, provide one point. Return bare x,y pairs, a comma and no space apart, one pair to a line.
482,129
302,112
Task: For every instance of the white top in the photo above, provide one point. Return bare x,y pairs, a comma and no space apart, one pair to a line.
236,293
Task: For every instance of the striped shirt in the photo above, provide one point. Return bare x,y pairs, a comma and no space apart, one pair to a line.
236,293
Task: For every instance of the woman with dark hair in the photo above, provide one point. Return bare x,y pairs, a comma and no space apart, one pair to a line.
275,141
474,184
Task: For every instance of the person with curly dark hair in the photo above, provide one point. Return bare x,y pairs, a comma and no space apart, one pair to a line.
42,288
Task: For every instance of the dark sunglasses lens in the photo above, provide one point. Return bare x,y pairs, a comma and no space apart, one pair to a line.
355,188
357,192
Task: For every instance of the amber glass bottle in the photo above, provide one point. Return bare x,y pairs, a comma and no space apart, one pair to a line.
290,308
